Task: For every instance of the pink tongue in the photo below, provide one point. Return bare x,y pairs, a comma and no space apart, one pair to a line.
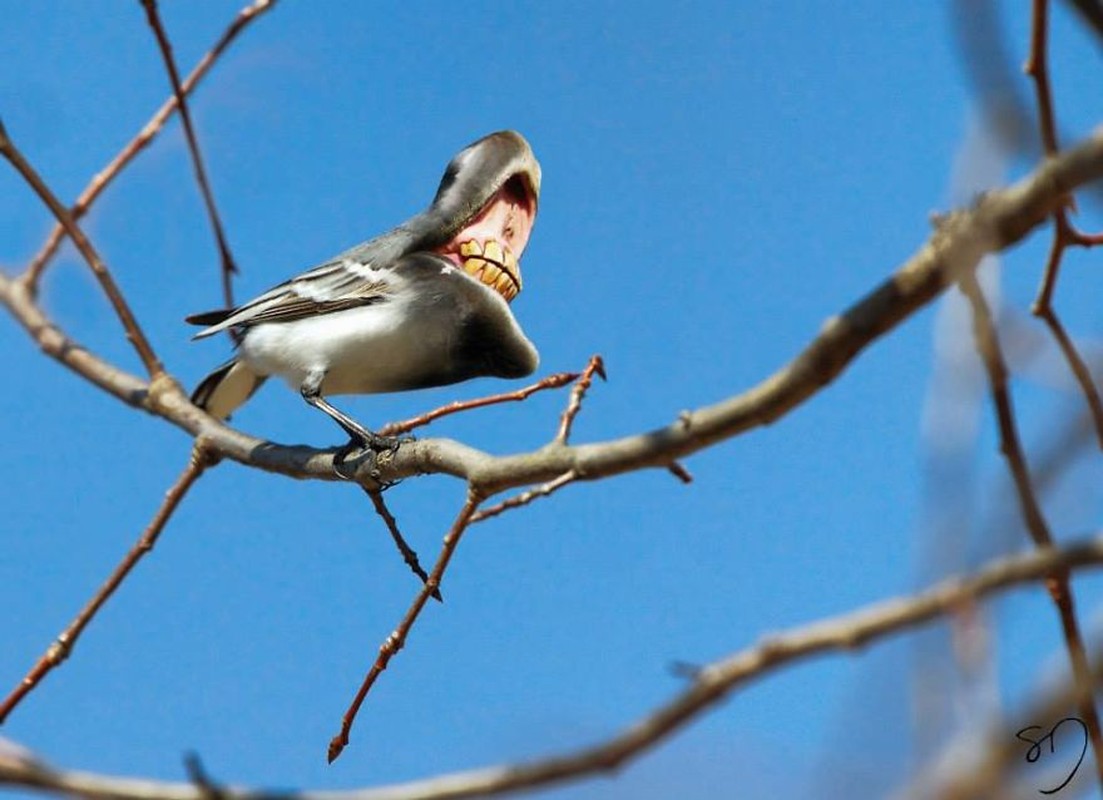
507,218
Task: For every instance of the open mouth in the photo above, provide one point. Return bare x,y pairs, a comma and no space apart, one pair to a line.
489,247
493,264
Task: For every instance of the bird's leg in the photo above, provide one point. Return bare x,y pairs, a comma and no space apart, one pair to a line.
311,391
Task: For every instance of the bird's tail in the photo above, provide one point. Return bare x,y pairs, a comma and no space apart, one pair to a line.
221,392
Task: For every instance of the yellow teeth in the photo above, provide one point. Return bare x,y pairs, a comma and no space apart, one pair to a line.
493,252
492,264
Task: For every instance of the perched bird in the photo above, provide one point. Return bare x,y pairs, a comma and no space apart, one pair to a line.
426,304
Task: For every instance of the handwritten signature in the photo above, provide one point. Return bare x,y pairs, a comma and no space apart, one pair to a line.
1035,751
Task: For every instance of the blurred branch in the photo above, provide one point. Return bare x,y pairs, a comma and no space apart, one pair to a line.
1064,234
712,684
992,71
1058,583
953,777
1091,11
139,142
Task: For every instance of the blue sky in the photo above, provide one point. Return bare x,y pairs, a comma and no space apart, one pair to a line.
719,178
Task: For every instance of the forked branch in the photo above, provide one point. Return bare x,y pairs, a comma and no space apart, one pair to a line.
136,145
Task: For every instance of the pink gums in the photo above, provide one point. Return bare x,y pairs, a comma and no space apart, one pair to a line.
507,218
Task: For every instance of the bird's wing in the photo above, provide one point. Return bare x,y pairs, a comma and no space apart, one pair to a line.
333,286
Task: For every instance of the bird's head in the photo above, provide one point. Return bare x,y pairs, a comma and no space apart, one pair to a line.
485,208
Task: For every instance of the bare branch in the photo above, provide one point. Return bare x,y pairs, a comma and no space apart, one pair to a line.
397,639
550,382
1058,583
408,553
712,684
99,269
574,405
105,176
227,259
67,640
1037,67
525,497
1064,234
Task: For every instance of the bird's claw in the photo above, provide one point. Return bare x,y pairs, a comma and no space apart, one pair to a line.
371,442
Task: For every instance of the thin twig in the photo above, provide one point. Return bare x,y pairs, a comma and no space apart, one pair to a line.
408,553
1079,369
104,177
67,640
99,269
550,382
229,268
1037,67
397,639
1060,590
526,497
1064,233
574,405
711,684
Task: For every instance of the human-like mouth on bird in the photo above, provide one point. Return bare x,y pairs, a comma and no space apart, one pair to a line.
489,247
493,264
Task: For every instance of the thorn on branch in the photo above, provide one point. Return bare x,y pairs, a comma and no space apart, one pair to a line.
685,669
680,472
198,776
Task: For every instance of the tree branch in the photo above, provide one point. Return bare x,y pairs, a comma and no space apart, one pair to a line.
136,145
1058,583
712,684
57,652
997,221
130,324
229,268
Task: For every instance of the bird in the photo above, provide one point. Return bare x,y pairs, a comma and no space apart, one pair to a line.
425,304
